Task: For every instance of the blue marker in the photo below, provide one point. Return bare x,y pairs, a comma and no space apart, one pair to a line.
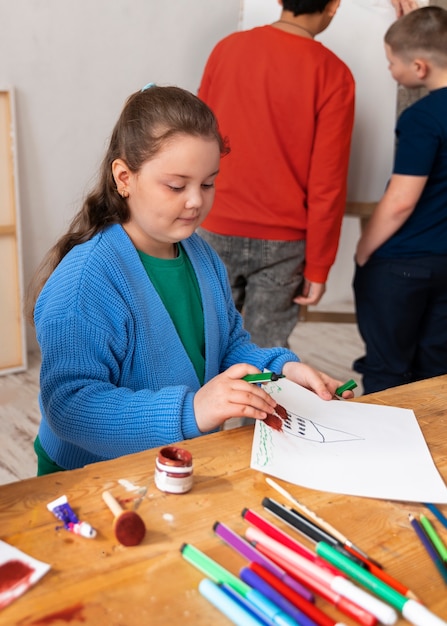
270,609
437,513
221,575
249,606
226,605
283,605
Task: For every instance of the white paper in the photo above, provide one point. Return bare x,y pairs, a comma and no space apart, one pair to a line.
346,447
18,572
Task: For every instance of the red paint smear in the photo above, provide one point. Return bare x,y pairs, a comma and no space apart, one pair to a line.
280,410
13,573
66,615
126,500
274,420
15,579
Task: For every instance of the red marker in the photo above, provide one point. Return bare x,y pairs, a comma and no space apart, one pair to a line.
313,612
384,613
277,534
344,605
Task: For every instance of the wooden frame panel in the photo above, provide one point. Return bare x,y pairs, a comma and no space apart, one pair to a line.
12,323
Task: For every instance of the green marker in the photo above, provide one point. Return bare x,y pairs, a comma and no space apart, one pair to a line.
264,377
212,569
374,584
434,537
349,386
221,576
411,610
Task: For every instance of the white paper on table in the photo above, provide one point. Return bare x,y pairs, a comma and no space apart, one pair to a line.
18,572
345,447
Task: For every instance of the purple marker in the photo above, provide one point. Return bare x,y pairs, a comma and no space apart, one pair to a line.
248,551
256,582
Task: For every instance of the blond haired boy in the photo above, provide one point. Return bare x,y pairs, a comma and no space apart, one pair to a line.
400,282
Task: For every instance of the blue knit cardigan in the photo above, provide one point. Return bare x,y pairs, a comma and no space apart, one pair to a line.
115,377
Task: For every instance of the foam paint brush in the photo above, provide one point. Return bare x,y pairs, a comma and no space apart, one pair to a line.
128,526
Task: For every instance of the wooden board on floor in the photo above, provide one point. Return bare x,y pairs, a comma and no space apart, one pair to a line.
12,326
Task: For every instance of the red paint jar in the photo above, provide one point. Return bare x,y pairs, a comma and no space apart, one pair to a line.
173,470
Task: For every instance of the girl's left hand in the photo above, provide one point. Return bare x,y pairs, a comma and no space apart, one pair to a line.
319,382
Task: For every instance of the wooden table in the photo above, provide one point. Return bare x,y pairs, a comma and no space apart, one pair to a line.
99,582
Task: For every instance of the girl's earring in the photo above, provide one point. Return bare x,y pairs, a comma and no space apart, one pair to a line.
124,193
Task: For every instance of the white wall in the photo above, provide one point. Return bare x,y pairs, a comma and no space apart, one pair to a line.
72,65
356,36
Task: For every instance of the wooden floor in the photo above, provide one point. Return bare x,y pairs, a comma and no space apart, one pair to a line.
328,347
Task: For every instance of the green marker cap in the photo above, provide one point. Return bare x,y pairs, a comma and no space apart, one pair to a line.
348,386
212,569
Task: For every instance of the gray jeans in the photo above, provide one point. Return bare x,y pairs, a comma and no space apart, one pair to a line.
264,276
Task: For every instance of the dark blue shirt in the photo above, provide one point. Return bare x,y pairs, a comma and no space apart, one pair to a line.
421,150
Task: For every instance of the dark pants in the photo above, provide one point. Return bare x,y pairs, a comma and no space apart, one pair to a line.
402,317
264,276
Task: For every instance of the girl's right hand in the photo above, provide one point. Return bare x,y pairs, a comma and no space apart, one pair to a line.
228,395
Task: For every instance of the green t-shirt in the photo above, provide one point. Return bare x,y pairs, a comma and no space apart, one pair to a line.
177,286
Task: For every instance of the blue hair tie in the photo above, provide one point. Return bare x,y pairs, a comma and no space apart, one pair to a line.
148,86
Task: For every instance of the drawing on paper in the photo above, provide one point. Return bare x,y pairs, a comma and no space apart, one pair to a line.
331,446
295,425
287,421
299,426
265,449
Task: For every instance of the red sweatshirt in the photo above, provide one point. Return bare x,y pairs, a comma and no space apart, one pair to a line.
286,105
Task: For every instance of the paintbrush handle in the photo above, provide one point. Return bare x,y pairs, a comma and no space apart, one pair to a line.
112,503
